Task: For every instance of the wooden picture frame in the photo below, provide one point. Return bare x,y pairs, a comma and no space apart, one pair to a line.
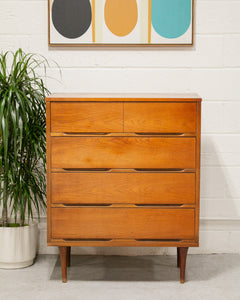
99,23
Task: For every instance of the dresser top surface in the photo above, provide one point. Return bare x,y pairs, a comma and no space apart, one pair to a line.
123,97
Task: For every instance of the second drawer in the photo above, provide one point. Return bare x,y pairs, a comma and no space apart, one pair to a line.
136,188
123,152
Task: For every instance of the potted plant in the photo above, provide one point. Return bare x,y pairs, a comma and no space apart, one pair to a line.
22,156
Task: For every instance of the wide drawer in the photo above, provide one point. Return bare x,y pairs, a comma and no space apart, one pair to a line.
160,117
136,188
123,152
86,117
127,223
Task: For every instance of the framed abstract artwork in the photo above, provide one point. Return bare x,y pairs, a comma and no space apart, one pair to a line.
120,22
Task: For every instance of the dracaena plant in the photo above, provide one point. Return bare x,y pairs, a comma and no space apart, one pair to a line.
22,136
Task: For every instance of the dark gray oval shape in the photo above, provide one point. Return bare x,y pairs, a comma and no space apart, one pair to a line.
71,18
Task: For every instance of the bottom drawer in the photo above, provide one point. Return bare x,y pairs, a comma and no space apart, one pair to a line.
118,223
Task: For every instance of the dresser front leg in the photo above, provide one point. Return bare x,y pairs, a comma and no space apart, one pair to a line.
182,260
68,256
178,257
63,256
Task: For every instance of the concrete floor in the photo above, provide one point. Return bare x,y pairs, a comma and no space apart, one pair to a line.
126,278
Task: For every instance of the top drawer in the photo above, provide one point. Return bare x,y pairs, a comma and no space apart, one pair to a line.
160,117
88,117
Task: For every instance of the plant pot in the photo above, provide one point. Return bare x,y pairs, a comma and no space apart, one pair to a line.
18,246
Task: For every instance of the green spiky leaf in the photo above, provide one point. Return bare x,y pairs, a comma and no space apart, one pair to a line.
22,135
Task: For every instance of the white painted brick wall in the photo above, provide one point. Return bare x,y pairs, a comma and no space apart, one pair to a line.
211,68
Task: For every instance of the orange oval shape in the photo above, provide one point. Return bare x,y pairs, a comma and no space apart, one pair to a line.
121,16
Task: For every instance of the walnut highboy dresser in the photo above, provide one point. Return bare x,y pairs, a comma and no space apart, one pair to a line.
123,170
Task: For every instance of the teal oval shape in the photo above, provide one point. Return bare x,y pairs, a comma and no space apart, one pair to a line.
171,18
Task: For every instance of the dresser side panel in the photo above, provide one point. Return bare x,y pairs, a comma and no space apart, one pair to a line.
48,140
198,167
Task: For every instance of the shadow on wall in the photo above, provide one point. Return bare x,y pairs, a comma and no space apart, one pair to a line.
220,188
220,195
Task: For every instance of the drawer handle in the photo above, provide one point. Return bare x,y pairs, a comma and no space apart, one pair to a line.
85,205
87,240
86,133
160,133
159,170
158,240
159,205
87,169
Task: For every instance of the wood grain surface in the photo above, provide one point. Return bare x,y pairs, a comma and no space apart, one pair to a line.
123,152
136,188
160,117
127,223
87,117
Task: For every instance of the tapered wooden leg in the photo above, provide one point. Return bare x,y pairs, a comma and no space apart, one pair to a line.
68,256
63,256
182,260
178,257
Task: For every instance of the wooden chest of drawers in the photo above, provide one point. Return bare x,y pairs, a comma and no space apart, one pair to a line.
123,170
